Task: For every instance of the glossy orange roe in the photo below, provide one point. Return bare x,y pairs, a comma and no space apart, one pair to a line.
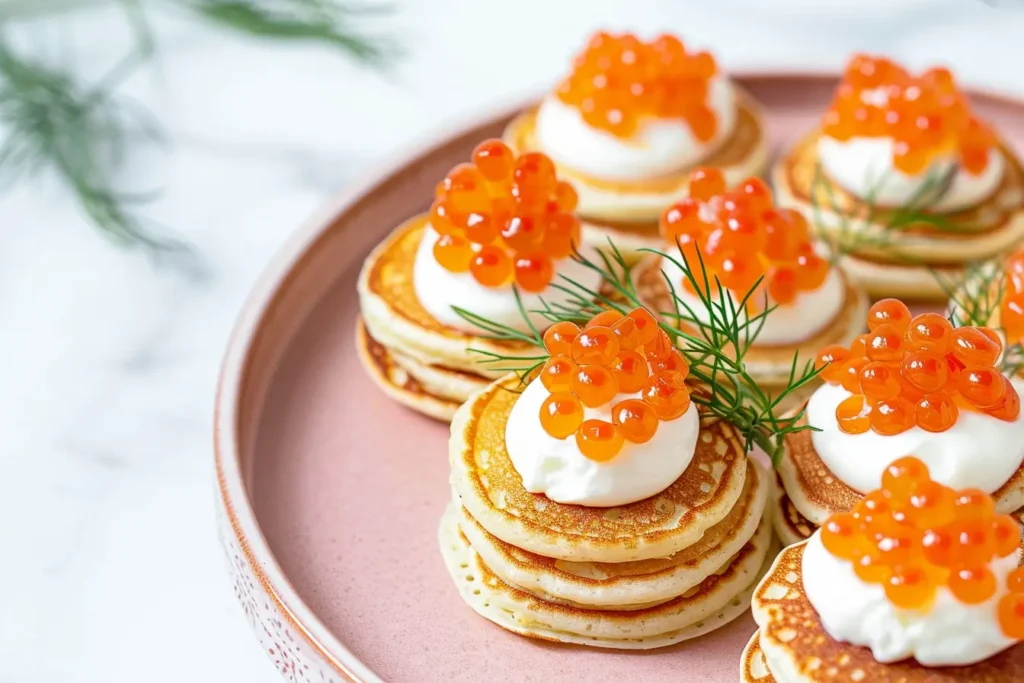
926,115
914,535
504,219
613,354
618,80
921,371
1011,308
740,237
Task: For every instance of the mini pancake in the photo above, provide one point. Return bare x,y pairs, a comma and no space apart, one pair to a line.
753,667
628,211
454,385
395,317
625,585
492,491
717,600
769,365
397,383
817,493
790,526
795,645
888,263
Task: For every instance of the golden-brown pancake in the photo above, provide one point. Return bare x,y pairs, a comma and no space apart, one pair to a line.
397,383
395,317
625,585
796,646
769,365
455,385
628,211
717,600
492,491
896,263
817,493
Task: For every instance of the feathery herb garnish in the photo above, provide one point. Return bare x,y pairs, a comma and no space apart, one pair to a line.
714,348
52,121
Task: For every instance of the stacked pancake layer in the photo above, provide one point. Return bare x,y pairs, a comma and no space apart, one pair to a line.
414,358
808,493
638,576
901,262
627,212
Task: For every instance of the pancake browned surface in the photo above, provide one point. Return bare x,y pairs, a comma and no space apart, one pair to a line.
790,526
599,585
396,382
770,365
753,667
721,597
797,647
492,491
817,492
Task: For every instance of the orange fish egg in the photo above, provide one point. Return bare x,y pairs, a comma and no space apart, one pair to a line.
505,219
914,535
595,385
561,414
925,115
611,355
618,80
636,419
921,376
595,345
599,440
737,237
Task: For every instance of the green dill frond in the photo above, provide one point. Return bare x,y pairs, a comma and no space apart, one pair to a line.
715,337
875,227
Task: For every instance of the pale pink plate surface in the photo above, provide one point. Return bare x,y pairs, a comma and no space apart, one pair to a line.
330,493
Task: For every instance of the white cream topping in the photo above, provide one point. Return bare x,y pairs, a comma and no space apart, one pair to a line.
658,147
948,633
789,323
864,167
979,451
439,290
557,468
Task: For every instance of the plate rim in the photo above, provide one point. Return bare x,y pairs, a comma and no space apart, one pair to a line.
235,511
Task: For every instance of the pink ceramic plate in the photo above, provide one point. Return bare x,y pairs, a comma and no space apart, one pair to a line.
329,493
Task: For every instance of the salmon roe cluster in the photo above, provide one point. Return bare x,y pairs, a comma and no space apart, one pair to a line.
925,115
920,370
614,354
1011,308
618,80
741,236
504,218
914,535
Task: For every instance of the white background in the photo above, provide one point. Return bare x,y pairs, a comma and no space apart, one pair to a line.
109,563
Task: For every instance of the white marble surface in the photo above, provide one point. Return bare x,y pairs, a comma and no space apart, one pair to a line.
108,558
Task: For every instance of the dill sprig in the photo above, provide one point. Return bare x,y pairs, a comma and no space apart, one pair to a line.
318,21
714,345
974,299
877,227
52,120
